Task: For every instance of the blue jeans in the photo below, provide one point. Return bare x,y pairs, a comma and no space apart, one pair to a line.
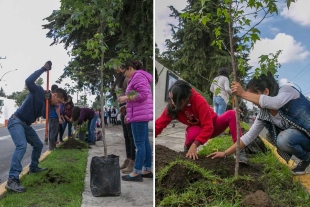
64,125
294,142
219,104
91,128
21,134
140,133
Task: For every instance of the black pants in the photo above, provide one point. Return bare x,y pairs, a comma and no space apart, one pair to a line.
61,132
129,143
53,129
105,120
114,121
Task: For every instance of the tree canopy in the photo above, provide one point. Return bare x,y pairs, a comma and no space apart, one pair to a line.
191,53
124,27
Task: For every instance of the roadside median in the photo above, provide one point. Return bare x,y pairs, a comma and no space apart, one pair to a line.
62,184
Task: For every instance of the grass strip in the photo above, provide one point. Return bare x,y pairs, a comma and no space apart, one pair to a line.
61,185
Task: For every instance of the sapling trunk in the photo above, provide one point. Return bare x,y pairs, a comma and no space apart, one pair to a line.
232,54
102,109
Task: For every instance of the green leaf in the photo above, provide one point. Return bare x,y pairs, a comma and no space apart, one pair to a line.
217,31
204,20
184,15
247,22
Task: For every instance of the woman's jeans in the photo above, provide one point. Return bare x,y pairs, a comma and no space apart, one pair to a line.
294,142
143,160
219,104
129,143
64,125
21,135
91,129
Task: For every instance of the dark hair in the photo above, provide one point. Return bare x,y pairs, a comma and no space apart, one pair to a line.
224,72
181,91
262,82
137,65
61,93
53,87
70,103
76,113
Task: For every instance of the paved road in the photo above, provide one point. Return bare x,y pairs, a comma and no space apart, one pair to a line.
7,148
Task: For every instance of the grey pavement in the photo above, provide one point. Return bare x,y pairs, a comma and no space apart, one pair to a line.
172,137
132,193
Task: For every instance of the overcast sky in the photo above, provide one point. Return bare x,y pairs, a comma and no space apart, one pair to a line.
289,31
24,44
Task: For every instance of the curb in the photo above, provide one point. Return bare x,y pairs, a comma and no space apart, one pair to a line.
25,170
303,179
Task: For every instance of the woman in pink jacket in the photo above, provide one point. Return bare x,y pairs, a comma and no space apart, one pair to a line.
139,113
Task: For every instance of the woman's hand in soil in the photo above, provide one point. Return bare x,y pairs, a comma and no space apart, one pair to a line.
217,155
192,152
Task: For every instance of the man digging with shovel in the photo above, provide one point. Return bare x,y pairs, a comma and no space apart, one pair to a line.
20,129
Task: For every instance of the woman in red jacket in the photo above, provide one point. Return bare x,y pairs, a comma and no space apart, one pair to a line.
190,108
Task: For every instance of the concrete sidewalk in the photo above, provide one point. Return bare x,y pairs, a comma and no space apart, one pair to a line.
132,193
173,138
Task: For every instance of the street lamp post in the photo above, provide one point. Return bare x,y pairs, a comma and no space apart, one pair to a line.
6,73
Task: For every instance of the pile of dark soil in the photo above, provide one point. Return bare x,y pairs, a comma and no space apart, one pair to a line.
74,144
179,177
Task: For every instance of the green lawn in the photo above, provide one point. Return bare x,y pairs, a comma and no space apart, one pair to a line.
61,185
215,191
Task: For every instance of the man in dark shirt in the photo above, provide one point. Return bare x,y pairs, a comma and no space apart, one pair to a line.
20,129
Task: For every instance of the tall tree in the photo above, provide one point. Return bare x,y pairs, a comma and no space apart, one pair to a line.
39,81
2,93
234,15
191,52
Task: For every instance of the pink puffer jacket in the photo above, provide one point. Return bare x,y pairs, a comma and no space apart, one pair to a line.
141,109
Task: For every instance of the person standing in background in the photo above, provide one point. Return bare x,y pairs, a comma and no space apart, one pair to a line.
220,89
68,115
139,103
119,87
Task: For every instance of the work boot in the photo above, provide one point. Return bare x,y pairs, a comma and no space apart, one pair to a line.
14,185
36,170
124,165
129,167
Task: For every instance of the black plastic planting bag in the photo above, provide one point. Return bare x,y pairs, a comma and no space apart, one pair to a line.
105,176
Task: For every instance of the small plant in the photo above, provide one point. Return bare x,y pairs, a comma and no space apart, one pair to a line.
132,93
82,128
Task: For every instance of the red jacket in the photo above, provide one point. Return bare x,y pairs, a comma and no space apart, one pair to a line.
198,110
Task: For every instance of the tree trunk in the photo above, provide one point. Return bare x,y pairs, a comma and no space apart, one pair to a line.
101,95
232,54
102,108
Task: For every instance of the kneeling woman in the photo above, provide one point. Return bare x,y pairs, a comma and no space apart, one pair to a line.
85,114
190,108
285,113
